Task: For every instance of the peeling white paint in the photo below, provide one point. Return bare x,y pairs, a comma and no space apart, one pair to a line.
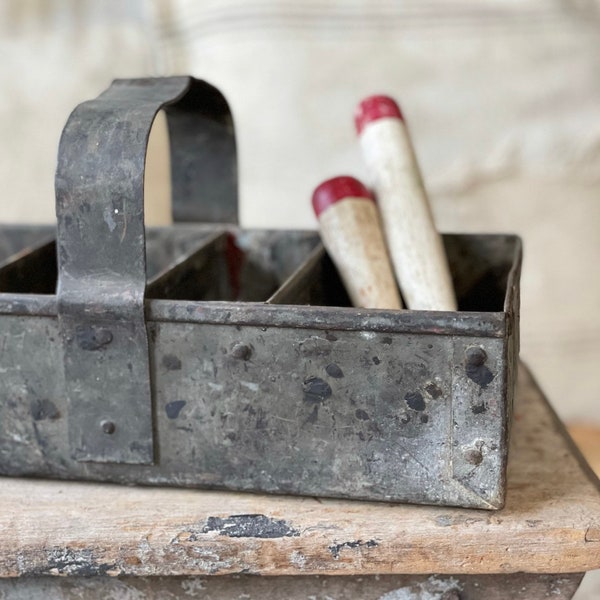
298,559
109,220
368,335
122,591
250,385
191,587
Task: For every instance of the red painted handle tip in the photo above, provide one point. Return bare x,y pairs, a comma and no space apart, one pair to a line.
373,108
333,190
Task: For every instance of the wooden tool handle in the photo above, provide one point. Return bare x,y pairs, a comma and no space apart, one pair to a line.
415,246
351,233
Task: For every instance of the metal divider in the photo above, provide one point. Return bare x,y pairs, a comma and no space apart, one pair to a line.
32,270
315,282
244,266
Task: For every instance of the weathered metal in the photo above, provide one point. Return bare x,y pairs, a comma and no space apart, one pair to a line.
208,356
375,587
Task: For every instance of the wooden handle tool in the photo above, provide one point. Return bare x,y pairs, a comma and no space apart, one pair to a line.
415,246
352,235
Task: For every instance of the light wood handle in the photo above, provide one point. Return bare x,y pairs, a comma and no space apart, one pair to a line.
415,246
352,235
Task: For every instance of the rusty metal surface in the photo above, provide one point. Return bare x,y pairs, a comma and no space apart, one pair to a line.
208,356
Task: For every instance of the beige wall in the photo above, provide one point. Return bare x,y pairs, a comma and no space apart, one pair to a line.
503,101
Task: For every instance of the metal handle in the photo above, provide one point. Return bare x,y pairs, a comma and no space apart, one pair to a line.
101,247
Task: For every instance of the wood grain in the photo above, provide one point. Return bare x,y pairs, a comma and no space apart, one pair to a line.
551,524
587,438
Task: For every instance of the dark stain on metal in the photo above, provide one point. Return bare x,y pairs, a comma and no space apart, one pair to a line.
42,409
261,419
386,340
334,371
424,419
415,401
479,409
433,390
376,360
482,376
174,408
475,358
171,362
314,415
316,391
241,351
362,415
330,337
405,419
337,548
93,338
250,526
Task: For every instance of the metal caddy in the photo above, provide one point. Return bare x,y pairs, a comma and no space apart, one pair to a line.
203,355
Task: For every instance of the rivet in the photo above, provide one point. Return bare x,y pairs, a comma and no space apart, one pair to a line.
241,351
475,356
108,427
473,457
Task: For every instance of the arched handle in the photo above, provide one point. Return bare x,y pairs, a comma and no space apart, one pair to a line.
101,247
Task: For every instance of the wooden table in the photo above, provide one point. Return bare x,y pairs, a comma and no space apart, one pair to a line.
149,543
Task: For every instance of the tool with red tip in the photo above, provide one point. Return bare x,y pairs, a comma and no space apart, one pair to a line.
415,246
351,233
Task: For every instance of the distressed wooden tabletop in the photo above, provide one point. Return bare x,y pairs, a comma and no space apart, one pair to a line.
551,523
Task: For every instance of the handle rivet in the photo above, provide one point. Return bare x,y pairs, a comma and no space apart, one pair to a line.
475,356
241,351
108,427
